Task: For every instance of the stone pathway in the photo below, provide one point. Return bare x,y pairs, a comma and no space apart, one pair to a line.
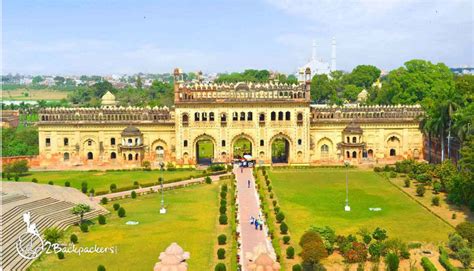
157,187
249,205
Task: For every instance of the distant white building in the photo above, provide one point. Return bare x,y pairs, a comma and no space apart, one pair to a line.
318,65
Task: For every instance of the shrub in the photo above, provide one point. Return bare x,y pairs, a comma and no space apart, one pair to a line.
121,212
104,200
444,260
274,202
223,219
379,234
296,267
392,262
221,253
51,183
464,255
102,220
113,187
223,195
220,267
407,182
208,180
280,217
16,177
133,194
466,230
136,183
60,255
456,242
420,190
313,248
286,239
52,235
393,174
453,216
290,252
222,239
92,191
435,201
84,227
375,251
436,187
84,187
73,238
100,193
427,264
100,268
283,228
223,202
222,209
116,206
34,180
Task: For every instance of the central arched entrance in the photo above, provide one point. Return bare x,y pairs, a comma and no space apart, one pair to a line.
241,147
280,150
204,151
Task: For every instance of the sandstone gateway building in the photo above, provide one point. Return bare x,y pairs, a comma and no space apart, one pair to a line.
220,115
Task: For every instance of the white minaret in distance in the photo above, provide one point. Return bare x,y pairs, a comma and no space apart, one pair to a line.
333,55
313,52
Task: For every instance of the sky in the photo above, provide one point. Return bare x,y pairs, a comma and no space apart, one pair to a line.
75,37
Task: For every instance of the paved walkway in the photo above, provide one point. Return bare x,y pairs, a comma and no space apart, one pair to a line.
249,205
158,187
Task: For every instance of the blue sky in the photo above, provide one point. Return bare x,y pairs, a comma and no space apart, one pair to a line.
107,37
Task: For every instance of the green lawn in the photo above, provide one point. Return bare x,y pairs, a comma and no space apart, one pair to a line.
101,180
206,149
317,197
191,221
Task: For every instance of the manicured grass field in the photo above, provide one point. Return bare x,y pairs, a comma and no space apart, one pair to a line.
317,197
191,222
101,180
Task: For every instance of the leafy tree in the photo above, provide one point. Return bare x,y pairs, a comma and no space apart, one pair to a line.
357,254
456,242
420,190
80,209
379,234
53,235
350,92
363,76
313,249
465,257
466,230
37,79
321,88
121,212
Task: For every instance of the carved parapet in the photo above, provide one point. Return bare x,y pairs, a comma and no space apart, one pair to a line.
172,259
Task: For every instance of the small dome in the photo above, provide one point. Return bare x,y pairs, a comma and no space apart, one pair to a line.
108,99
131,131
353,128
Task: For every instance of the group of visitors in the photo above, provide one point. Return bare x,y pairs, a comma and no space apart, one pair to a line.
258,222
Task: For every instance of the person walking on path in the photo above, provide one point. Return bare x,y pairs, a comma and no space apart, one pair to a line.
256,224
248,183
252,220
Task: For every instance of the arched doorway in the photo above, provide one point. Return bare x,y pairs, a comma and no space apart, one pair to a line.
280,150
204,151
90,156
241,147
370,154
160,153
394,146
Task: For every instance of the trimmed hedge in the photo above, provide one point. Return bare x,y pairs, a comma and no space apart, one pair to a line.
100,193
427,264
444,260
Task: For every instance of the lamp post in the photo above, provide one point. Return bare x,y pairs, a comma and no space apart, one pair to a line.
162,209
347,208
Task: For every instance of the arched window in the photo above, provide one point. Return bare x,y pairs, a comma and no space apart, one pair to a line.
196,116
160,152
185,143
185,118
90,156
300,141
130,141
370,154
393,152
223,143
66,141
348,140
249,116
348,154
299,117
136,156
273,116
235,116
112,141
280,115
223,117
66,156
354,154
354,139
261,117
130,157
113,155
242,116
89,142
204,116
288,115
211,116
324,149
262,142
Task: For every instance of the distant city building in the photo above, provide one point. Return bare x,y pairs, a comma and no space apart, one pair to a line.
9,118
318,65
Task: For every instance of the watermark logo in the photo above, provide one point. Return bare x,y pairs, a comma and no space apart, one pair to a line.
30,245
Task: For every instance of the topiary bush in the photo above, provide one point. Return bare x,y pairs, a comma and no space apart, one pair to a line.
133,194
283,228
223,219
84,227
102,220
73,238
221,253
220,267
296,267
286,239
121,212
280,217
435,201
100,268
208,180
222,209
223,194
67,184
290,252
34,180
420,190
51,183
113,187
407,183
116,206
104,200
60,255
222,239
